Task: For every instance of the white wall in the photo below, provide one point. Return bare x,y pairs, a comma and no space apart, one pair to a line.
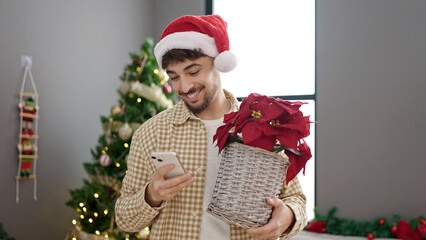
79,49
371,84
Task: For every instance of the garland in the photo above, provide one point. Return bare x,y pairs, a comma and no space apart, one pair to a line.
379,228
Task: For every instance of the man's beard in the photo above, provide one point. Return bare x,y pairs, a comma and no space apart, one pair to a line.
206,101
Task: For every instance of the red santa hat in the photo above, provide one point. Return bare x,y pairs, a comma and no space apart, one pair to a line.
207,33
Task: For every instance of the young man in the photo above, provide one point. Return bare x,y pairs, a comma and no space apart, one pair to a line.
193,50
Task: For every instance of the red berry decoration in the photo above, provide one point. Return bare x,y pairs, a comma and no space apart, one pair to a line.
381,221
393,229
167,89
370,236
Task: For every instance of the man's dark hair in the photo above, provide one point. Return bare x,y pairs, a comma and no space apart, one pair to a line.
180,55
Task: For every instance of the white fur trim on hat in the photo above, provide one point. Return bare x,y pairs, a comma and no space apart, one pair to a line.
185,40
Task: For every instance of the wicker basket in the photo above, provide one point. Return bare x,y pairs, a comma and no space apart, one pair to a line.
247,177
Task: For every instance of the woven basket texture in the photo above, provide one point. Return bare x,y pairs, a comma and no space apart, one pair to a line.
247,177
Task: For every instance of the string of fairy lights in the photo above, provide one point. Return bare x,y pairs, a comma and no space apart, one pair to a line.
83,210
95,205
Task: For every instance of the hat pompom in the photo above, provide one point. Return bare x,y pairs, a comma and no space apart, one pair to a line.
226,61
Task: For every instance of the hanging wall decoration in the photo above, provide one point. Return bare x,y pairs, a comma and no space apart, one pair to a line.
28,134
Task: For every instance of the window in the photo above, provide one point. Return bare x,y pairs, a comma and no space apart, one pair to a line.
274,41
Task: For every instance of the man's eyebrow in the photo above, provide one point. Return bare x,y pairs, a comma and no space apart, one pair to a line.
185,69
192,65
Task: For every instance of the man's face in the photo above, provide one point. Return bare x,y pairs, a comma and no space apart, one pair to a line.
196,82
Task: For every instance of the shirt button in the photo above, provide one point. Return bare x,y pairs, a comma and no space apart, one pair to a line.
200,170
195,213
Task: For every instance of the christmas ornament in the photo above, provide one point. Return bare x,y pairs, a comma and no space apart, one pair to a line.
393,229
153,93
381,221
125,132
29,113
167,89
144,233
163,75
370,236
124,88
27,150
27,143
115,110
105,160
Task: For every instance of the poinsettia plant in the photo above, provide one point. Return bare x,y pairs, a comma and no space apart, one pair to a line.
271,124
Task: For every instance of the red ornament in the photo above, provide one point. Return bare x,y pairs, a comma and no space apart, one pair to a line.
370,236
381,221
105,160
393,229
167,89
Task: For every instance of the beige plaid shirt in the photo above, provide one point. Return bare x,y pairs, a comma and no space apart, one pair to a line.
178,130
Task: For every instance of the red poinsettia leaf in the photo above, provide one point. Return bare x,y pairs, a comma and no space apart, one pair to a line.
250,132
251,98
298,162
230,117
264,142
422,221
240,125
289,137
317,226
422,229
300,124
273,111
290,107
221,136
405,232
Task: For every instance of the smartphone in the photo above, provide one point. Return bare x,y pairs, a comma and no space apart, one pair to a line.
160,159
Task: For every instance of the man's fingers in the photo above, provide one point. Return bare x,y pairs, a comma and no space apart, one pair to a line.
176,181
275,202
172,191
162,171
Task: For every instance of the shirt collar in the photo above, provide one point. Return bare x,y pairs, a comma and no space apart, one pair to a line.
182,113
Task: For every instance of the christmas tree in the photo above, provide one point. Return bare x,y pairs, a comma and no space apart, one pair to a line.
144,92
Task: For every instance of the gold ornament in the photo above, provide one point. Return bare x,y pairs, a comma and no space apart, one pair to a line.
125,132
144,233
115,110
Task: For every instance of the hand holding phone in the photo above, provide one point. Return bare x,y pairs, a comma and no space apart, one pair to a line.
160,159
162,188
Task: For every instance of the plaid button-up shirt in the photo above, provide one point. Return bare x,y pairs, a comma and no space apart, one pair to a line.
179,130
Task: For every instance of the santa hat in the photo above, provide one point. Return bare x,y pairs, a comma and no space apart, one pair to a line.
207,33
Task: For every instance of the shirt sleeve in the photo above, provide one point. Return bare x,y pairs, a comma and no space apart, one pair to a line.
132,212
292,195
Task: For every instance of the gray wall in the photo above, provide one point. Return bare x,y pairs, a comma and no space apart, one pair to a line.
79,49
371,84
166,11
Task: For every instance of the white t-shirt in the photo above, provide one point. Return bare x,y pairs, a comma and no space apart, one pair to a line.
212,227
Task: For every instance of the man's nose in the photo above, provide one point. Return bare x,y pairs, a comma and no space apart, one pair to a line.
185,84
